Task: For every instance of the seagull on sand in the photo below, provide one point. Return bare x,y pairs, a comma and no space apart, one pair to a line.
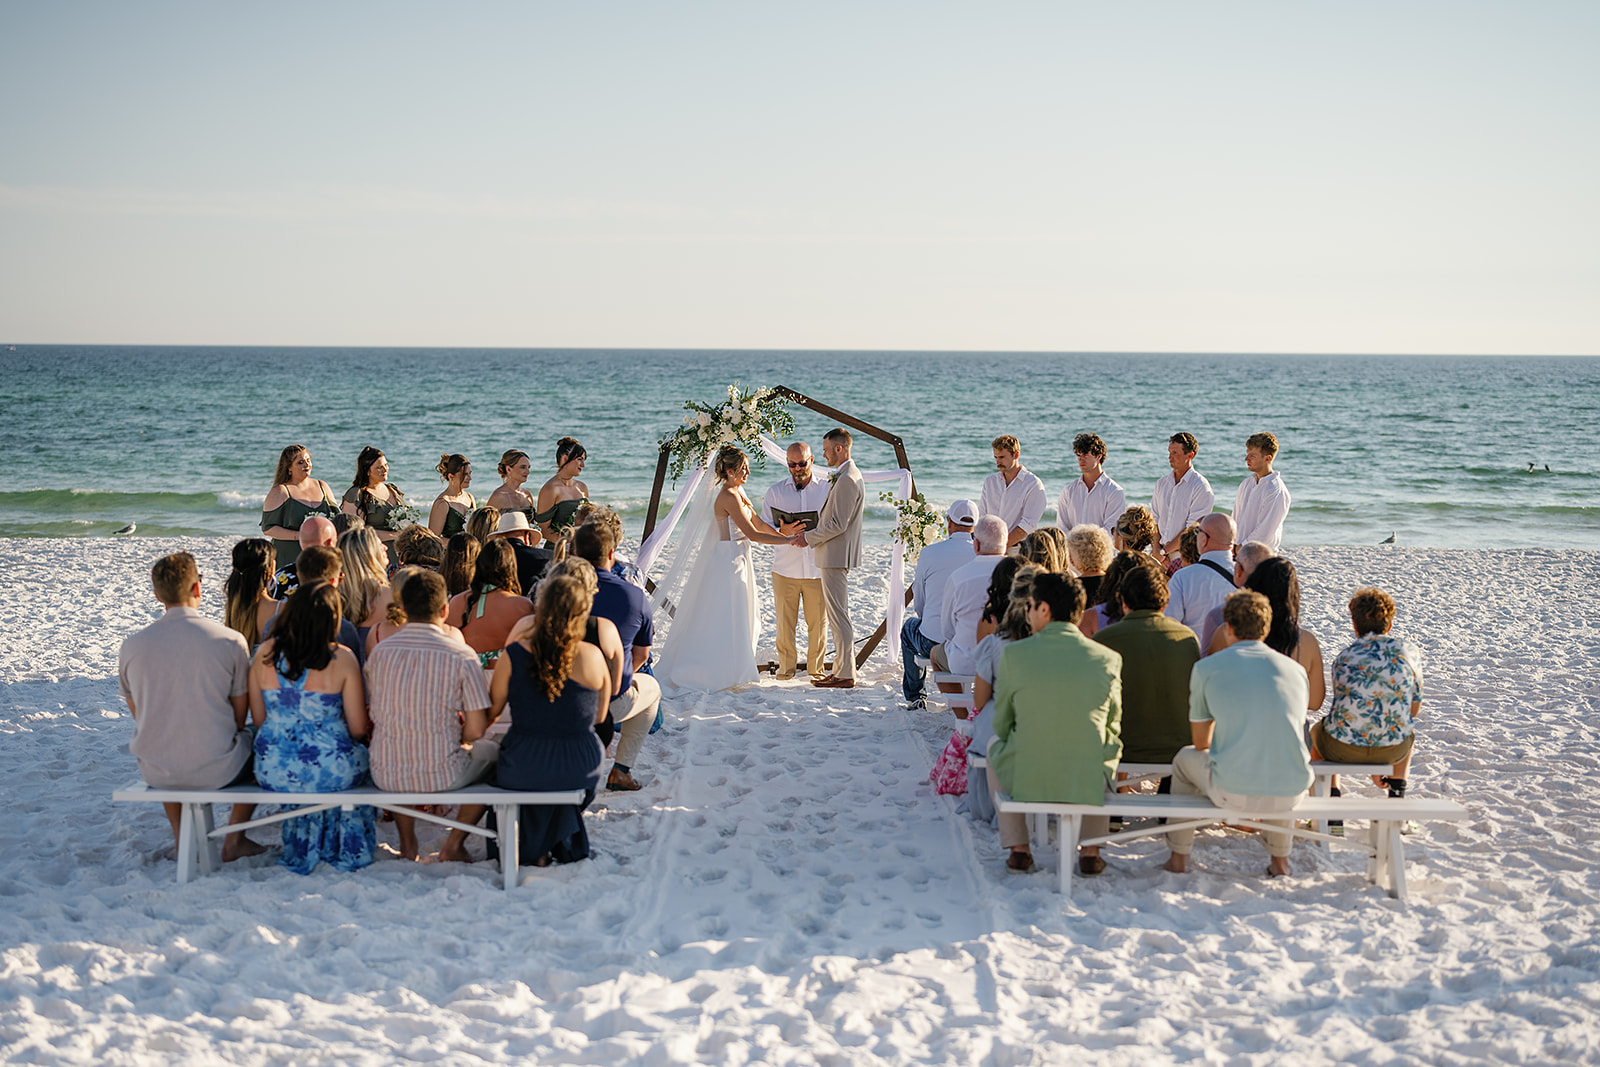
128,529
1387,540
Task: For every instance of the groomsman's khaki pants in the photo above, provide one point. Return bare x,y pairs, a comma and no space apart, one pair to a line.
836,599
789,594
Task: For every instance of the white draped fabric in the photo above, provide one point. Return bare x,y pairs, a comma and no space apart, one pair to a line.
650,551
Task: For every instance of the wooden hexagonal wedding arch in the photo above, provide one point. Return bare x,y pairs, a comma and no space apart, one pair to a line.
870,645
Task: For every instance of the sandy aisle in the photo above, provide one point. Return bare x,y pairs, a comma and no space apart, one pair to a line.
787,889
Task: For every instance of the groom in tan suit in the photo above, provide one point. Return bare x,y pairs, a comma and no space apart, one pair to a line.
837,541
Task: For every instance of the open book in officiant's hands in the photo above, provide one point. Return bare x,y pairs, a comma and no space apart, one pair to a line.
784,518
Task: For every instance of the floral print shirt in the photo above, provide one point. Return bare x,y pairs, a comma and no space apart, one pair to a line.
1375,682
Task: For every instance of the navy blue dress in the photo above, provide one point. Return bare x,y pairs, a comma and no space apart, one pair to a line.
551,745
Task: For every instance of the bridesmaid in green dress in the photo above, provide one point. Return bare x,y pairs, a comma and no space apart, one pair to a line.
372,496
451,507
515,466
560,496
294,497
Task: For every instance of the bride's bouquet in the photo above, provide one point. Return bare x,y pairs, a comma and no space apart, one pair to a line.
918,523
739,420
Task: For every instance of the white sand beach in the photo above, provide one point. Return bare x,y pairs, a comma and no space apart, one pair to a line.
788,889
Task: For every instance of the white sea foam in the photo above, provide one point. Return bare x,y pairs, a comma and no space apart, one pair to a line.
786,888
241,501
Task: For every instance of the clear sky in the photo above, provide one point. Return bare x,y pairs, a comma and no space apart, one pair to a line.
1157,176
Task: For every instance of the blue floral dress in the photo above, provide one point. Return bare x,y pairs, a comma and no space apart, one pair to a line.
305,747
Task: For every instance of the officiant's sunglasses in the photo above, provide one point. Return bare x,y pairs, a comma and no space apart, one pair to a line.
802,464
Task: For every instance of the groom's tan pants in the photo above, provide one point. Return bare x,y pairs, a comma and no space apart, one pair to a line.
836,602
789,594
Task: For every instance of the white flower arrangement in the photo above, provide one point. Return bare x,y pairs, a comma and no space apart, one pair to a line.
739,420
918,524
403,514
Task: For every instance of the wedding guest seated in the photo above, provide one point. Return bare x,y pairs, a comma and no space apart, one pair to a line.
418,546
1013,626
532,558
634,704
343,524
996,599
1189,545
365,591
322,564
394,614
1246,711
448,516
1109,609
481,524
315,530
491,605
373,497
1246,558
1195,590
558,687
560,496
965,597
1089,551
601,633
460,561
1276,580
1135,531
599,513
310,713
1045,547
428,699
1057,719
185,680
1157,656
1377,695
935,564
246,607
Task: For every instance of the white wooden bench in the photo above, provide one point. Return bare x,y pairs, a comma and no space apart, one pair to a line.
198,833
1385,854
959,696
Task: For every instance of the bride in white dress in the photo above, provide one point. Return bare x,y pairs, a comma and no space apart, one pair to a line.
711,643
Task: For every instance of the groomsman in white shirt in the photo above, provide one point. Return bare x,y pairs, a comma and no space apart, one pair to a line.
796,581
1012,492
1182,496
1093,498
1262,502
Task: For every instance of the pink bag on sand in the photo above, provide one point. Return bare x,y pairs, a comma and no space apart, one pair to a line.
950,769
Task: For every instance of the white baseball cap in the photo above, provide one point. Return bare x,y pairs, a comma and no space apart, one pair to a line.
962,513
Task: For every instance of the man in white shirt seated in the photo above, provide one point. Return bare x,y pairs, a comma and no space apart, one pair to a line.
1247,710
965,596
1262,502
935,565
1183,495
1094,498
796,581
1012,492
1194,590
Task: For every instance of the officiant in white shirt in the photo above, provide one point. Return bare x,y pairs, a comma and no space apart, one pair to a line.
796,581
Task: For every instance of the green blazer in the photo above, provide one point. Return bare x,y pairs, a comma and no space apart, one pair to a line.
1057,717
1158,654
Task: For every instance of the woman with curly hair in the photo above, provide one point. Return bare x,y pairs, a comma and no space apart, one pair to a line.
1089,550
246,605
1135,531
558,688
373,497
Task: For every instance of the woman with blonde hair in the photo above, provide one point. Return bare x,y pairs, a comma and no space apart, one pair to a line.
558,688
1089,551
365,590
1042,549
451,507
294,497
246,605
1135,530
481,524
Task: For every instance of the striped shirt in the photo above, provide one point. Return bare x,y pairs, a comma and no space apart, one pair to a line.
419,682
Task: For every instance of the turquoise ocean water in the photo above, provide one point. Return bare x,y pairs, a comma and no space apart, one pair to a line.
184,440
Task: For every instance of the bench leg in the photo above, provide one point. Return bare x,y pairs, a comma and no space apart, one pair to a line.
1068,830
209,848
1321,786
507,817
1378,850
1390,829
186,859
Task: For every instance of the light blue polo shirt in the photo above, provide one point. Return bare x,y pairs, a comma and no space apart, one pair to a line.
1257,697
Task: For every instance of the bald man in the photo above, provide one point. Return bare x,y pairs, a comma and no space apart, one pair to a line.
1196,589
316,530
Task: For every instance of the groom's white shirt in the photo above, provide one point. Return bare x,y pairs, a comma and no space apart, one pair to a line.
792,561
